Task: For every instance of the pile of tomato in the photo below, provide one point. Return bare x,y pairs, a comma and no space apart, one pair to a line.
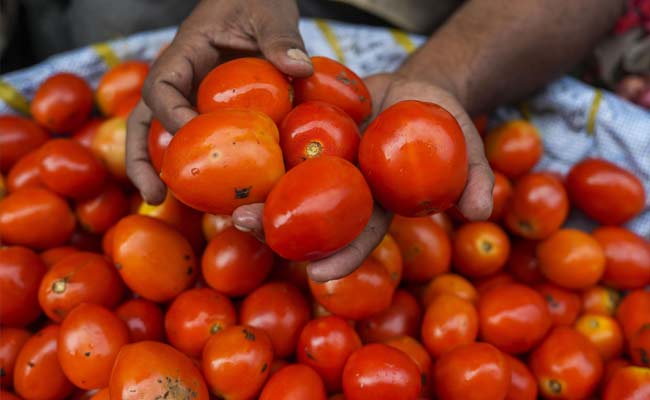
103,296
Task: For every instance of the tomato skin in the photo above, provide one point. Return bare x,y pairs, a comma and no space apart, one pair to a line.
35,217
627,256
484,285
8,396
563,304
25,172
247,83
125,108
449,322
600,300
501,193
634,312
523,385
628,383
18,137
296,381
480,249
378,371
314,129
522,262
56,254
236,147
449,284
157,143
401,318
11,341
109,145
62,103
86,133
155,368
611,366
397,154
418,354
212,225
605,192
513,148
99,213
306,219
119,83
153,259
604,332
21,271
336,84
639,347
143,318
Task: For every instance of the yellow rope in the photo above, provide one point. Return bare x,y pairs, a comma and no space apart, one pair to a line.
403,40
106,53
330,36
13,98
593,111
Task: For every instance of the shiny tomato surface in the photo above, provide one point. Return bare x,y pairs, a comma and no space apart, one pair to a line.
62,103
119,83
18,136
513,148
21,271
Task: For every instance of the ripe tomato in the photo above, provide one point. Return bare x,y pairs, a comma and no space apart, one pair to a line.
247,83
8,396
378,371
414,158
480,249
605,192
325,344
194,316
425,247
563,304
18,137
634,312
127,105
514,318
306,219
611,366
627,256
449,284
102,394
513,148
501,193
86,133
484,285
109,145
237,148
522,262
277,364
401,318
280,310
37,373
336,84
35,217
571,258
566,365
523,385
212,225
388,254
296,381
11,341
158,141
600,300
448,322
236,362
107,243
56,254
538,206
99,213
152,369
143,318
444,221
639,346
315,129
25,172
62,103
628,383
154,260
604,332
419,356
119,83
21,271
235,263
474,371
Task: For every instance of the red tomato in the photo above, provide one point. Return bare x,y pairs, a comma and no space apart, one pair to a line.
315,129
420,357
378,371
474,371
605,192
639,346
513,148
294,381
154,369
566,365
107,243
235,263
523,264
634,312
627,258
401,318
25,172
628,383
143,318
414,157
56,254
11,341
127,105
480,249
306,219
119,83
212,225
523,385
600,300
194,316
8,396
237,148
62,103
86,133
563,304
611,366
449,284
21,271
501,193
109,145
484,285
388,254
449,322
18,137
158,141
604,332
336,84
99,213
248,83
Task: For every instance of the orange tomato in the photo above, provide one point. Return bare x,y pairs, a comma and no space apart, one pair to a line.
18,137
600,300
523,385
109,145
127,105
639,347
420,357
99,213
119,83
401,318
627,258
143,318
107,243
62,103
295,381
501,193
25,172
11,341
21,272
628,383
634,312
604,332
563,304
449,284
523,263
448,322
56,254
389,255
157,143
480,249
212,225
513,148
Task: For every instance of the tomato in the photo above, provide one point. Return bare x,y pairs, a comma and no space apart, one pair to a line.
154,260
378,371
563,304
236,362
158,141
280,310
628,383
501,193
639,346
514,318
444,221
109,145
414,158
401,318
107,243
235,263
237,148
119,83
388,254
62,103
566,365
11,341
103,394
419,356
605,192
25,172
276,365
449,322
604,332
522,262
522,382
18,137
600,300
334,83
21,271
425,247
247,83
212,225
306,219
484,285
627,256
293,272
538,206
56,254
8,396
194,316
634,312
611,366
127,105
84,241
143,318
325,345
480,249
315,129
86,133
99,213
513,148
449,284
152,369
294,381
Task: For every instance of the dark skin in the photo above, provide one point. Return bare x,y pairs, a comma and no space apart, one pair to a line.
488,53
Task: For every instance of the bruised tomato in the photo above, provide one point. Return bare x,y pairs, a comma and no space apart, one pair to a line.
11,341
522,382
317,208
627,258
316,128
98,213
563,304
21,271
86,133
449,322
62,103
18,136
480,249
25,172
628,383
143,318
336,84
119,83
605,192
414,157
634,312
237,148
295,381
600,300
157,143
401,318
604,332
449,284
513,148
109,145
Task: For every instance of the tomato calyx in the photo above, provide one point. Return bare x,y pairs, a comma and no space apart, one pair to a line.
313,149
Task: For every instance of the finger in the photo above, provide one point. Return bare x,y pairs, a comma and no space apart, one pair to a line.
138,165
248,218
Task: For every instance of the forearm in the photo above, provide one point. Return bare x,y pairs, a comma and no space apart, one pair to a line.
495,51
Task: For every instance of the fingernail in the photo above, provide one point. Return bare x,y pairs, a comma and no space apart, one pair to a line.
298,55
242,228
